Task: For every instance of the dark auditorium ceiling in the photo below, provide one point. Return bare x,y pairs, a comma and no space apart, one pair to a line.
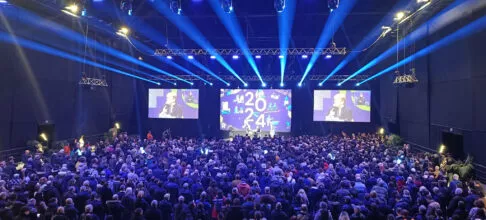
258,20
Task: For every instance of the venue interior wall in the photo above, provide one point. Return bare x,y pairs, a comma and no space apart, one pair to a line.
44,88
448,98
39,88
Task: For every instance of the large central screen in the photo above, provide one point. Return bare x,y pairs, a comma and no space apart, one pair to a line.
342,105
173,103
256,110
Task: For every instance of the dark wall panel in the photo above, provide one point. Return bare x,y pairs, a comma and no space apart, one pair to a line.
479,105
450,98
451,104
389,99
45,88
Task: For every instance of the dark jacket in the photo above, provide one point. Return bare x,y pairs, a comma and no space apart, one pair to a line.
153,214
71,212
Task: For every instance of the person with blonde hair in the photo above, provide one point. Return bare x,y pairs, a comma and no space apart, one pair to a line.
302,196
344,216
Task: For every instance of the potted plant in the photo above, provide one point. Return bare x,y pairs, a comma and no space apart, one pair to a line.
465,169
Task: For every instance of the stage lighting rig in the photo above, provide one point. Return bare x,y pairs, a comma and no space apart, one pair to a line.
76,8
93,82
332,4
73,8
126,6
279,5
405,80
399,16
386,30
124,31
227,6
176,6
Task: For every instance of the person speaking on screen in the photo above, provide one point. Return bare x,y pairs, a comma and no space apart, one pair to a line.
361,99
171,109
339,111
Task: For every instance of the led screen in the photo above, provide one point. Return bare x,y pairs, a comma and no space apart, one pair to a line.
256,110
173,103
342,105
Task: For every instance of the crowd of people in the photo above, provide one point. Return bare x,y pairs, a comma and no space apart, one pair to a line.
355,176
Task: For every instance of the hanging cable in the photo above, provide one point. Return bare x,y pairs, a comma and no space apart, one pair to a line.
144,53
85,47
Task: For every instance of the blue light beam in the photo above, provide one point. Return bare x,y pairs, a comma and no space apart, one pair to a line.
32,19
160,39
186,26
4,37
335,20
373,35
231,23
285,23
110,61
470,29
452,13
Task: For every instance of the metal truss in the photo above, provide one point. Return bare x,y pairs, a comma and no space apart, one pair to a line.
405,79
93,82
268,78
253,51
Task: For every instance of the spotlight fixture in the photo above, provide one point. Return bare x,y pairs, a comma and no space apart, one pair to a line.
281,56
228,84
117,125
235,57
211,84
281,85
442,149
140,58
264,85
332,4
328,56
191,57
381,131
176,6
258,56
422,1
399,16
124,31
339,84
320,84
305,56
213,57
299,85
169,57
43,136
73,8
358,84
227,6
246,84
279,5
3,2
